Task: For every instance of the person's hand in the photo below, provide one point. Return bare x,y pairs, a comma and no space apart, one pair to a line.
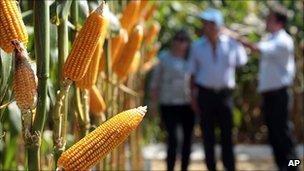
230,33
195,106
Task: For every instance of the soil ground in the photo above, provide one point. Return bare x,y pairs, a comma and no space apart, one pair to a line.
248,157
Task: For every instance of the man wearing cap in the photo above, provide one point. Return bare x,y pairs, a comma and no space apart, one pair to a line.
213,61
276,74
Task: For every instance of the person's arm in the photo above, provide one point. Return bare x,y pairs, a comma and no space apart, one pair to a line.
154,88
276,49
253,47
193,88
241,55
194,95
154,102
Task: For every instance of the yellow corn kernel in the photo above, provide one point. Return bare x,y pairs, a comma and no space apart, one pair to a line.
152,52
117,44
90,76
96,145
135,63
12,26
123,63
152,33
24,83
97,103
93,31
130,15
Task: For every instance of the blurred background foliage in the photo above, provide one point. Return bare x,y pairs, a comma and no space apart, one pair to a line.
247,18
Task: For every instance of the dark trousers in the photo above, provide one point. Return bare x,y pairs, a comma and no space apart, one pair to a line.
216,109
172,116
275,108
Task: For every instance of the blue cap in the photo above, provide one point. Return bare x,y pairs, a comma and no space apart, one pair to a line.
213,15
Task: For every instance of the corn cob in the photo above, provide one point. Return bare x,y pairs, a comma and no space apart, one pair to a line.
12,26
97,144
152,52
143,6
135,63
79,59
130,15
24,83
97,104
152,33
122,64
150,12
140,13
117,44
90,76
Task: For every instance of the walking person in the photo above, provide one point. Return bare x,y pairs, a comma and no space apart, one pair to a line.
213,61
170,89
276,74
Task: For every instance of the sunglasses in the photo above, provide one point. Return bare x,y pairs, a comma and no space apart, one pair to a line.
181,39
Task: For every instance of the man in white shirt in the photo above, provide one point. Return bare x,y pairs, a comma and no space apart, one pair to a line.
213,61
276,74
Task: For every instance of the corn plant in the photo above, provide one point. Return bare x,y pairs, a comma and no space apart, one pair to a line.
57,59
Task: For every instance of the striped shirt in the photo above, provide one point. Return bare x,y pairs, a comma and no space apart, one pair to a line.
171,78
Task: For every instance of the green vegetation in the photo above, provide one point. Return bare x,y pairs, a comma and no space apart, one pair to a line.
53,25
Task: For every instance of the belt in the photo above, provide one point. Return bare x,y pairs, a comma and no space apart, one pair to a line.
215,91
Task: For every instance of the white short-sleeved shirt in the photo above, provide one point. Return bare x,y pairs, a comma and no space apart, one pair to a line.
277,65
218,72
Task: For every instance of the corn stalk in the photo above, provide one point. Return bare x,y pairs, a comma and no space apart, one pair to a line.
79,115
80,97
42,52
74,17
108,98
86,109
59,137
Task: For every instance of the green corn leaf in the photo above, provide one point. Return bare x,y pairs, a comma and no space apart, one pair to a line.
6,66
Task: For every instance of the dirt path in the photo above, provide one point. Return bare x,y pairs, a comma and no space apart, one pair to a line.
263,165
249,157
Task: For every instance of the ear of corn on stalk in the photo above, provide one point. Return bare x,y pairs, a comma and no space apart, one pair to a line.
97,103
90,76
85,44
12,26
150,11
130,15
135,63
152,33
24,83
117,44
137,18
143,6
123,63
97,144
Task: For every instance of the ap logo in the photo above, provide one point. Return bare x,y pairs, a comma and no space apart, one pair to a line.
294,163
